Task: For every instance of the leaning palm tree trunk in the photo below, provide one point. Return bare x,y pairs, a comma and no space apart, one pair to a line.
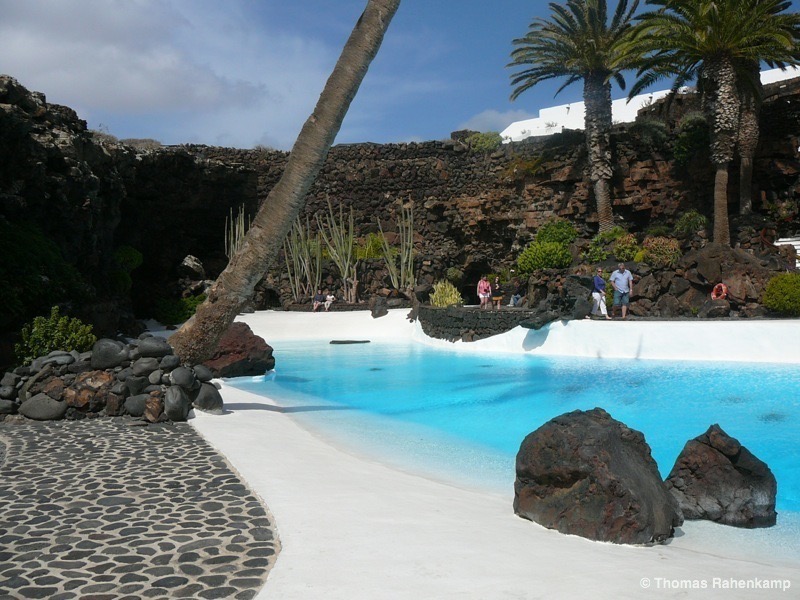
198,337
597,94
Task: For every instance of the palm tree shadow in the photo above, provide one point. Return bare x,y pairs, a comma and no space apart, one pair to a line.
230,408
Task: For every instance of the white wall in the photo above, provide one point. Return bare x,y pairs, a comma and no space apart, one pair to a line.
570,116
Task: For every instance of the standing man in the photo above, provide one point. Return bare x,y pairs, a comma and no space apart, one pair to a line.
622,280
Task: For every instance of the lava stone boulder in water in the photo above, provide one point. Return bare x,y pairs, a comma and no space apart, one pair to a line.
586,474
717,479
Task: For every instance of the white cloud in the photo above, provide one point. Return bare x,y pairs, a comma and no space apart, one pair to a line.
185,71
495,120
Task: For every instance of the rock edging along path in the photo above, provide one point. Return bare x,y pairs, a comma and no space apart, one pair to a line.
102,508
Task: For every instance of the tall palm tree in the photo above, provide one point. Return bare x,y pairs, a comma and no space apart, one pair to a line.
749,132
718,42
579,43
198,337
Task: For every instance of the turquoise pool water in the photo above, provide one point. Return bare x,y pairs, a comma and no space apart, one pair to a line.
462,416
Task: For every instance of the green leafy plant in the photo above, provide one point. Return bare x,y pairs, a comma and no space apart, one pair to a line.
127,259
661,252
782,294
455,275
370,247
690,223
544,255
650,132
597,250
658,231
595,253
445,294
560,231
56,332
171,311
692,139
612,235
484,142
521,168
626,247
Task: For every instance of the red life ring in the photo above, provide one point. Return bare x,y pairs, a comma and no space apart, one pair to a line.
720,292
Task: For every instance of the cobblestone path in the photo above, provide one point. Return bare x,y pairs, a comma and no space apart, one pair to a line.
104,509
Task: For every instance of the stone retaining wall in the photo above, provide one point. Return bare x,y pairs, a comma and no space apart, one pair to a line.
469,323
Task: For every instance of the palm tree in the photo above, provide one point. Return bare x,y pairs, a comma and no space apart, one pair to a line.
579,43
749,132
198,337
718,42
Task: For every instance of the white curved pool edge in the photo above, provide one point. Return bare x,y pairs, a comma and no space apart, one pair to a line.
767,341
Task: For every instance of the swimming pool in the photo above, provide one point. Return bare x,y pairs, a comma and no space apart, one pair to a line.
462,416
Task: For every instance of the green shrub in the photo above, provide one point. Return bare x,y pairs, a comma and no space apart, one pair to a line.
445,294
661,252
782,294
127,259
658,231
612,235
692,139
370,247
626,247
484,142
455,275
598,248
556,230
171,311
521,168
650,132
595,253
544,255
56,332
690,223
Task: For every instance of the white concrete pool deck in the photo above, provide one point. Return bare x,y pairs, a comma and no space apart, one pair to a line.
353,528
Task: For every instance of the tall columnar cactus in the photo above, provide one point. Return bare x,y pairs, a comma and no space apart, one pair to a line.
338,238
302,251
402,275
235,229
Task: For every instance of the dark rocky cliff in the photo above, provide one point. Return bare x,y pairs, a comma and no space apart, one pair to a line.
474,211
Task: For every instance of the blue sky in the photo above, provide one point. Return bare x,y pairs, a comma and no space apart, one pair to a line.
246,72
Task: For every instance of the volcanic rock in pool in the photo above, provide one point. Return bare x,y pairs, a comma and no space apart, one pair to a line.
717,479
586,474
349,341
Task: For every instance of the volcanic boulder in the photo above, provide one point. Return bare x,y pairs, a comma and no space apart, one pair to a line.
240,352
717,479
586,474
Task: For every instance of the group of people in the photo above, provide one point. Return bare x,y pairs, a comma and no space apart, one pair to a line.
323,299
491,294
622,282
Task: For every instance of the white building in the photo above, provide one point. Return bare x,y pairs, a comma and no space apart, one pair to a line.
570,116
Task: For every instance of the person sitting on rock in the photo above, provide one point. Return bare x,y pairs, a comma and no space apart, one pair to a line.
329,299
319,300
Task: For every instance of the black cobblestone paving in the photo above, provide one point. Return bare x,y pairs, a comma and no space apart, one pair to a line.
107,509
